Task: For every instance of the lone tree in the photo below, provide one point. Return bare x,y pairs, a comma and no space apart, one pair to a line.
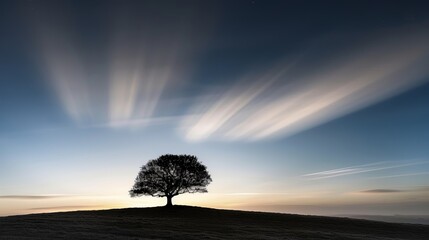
171,175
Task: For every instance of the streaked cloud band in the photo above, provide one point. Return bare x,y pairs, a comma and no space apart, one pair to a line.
296,99
378,166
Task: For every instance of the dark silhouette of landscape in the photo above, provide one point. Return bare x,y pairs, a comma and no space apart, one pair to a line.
185,222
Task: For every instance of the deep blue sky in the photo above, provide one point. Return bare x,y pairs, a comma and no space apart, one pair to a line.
295,106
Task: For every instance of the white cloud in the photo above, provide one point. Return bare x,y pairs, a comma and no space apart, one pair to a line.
124,82
283,103
377,166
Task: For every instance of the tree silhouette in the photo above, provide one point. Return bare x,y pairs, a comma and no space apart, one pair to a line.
170,175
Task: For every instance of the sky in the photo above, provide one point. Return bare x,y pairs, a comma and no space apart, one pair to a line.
310,107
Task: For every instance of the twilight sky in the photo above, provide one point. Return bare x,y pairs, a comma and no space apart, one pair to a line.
314,107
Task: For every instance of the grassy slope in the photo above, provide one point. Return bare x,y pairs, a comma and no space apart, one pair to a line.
184,222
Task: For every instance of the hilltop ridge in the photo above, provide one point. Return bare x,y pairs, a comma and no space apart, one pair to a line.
185,222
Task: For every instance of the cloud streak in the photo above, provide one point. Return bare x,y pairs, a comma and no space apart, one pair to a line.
382,191
124,78
144,63
64,70
56,208
254,194
140,65
290,100
378,166
31,197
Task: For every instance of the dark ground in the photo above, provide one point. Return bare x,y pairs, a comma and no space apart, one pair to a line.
182,222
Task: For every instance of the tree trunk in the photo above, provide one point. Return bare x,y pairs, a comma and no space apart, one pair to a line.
169,202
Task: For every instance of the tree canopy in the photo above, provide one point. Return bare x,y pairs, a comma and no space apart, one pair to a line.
170,175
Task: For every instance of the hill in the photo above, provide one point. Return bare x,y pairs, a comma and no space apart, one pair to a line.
183,222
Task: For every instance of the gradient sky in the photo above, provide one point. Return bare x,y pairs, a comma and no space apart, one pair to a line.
314,107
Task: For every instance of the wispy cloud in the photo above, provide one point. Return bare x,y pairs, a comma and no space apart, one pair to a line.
124,82
382,191
232,102
143,64
254,194
66,207
32,197
137,122
378,166
286,100
64,69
